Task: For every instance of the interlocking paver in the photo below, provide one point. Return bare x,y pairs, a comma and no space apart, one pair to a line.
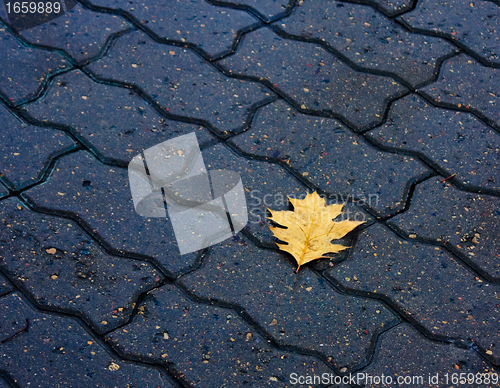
4,285
453,140
57,352
269,8
474,23
83,42
468,221
61,267
313,77
183,83
20,140
340,163
119,124
404,353
209,345
24,68
296,309
100,195
368,38
465,83
196,21
427,283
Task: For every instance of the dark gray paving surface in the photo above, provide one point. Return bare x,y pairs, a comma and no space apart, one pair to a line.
222,350
475,24
430,360
211,28
295,310
82,44
58,352
24,69
467,221
341,162
389,107
466,84
368,39
316,80
82,183
20,140
425,282
4,285
269,8
3,191
182,84
445,137
116,123
63,268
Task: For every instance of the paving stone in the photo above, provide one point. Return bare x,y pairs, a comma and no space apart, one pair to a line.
465,83
211,346
404,353
468,221
427,283
114,121
456,141
368,38
24,68
20,141
196,21
4,285
55,345
296,309
269,8
63,268
184,84
80,32
100,195
4,384
340,163
474,23
313,77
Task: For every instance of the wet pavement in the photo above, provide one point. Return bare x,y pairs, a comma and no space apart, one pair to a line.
390,107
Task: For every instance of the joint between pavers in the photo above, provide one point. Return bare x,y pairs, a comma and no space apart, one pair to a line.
437,69
341,57
444,105
45,171
450,39
99,338
155,37
398,312
468,264
222,135
255,13
391,15
101,242
8,378
251,322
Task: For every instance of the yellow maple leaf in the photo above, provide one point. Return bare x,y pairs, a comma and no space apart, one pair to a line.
310,228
